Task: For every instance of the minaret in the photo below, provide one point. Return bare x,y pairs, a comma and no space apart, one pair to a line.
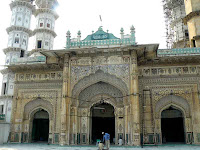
18,37
192,19
45,23
19,30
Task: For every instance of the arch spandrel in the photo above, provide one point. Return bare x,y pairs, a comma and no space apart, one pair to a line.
35,105
99,76
172,100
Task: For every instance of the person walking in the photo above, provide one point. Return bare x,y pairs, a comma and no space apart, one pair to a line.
106,138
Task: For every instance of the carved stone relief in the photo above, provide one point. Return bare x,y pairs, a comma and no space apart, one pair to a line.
29,107
97,77
98,89
79,72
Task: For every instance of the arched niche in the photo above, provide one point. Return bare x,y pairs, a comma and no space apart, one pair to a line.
99,76
33,106
172,100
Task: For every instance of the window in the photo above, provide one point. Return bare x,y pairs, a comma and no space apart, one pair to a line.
1,109
22,53
194,43
41,24
48,25
17,40
4,88
24,42
39,45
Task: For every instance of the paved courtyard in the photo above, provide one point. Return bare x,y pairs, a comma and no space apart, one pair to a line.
57,147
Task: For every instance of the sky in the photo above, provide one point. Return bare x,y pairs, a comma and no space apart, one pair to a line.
146,15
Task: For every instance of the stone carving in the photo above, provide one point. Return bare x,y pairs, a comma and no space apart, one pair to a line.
39,77
155,71
170,100
38,103
32,94
98,89
97,77
100,60
120,71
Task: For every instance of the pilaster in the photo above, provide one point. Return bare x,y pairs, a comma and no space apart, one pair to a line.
134,99
65,110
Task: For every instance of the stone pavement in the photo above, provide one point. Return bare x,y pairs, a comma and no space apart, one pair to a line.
57,147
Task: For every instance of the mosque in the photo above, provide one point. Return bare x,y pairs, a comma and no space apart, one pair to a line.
103,83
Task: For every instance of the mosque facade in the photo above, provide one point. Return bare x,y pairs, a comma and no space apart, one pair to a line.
134,92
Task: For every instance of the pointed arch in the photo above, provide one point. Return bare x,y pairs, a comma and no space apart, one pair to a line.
99,76
35,105
173,100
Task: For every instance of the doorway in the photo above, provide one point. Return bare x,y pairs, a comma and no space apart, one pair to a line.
103,120
40,129
172,126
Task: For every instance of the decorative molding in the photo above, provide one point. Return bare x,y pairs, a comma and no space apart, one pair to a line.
114,73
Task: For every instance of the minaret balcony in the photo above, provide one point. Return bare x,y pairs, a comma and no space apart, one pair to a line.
45,30
46,10
18,28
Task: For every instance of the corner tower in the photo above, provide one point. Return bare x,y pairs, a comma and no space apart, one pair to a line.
192,19
19,30
45,23
18,37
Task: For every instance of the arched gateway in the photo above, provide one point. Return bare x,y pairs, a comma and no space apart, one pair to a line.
100,106
172,112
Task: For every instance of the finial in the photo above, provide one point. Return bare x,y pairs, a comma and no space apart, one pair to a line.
92,32
107,31
122,30
79,33
132,28
68,33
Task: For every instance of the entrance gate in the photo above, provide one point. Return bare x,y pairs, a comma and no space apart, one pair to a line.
102,120
172,126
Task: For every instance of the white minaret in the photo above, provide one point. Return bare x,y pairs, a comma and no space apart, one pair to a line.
19,30
45,23
19,33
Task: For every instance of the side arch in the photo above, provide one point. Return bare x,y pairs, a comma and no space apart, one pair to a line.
33,106
172,100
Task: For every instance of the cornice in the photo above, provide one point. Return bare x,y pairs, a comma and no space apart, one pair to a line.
46,10
45,30
5,71
18,28
190,16
11,49
22,3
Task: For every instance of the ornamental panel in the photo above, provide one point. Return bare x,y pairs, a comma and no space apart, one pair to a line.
120,71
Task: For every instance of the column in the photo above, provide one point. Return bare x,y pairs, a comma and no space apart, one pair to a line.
134,99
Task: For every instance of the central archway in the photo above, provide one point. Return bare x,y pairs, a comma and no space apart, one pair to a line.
102,120
172,126
40,127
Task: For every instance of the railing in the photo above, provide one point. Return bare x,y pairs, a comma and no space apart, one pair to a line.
2,117
178,52
125,41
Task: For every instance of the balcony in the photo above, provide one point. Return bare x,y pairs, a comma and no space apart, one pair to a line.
2,117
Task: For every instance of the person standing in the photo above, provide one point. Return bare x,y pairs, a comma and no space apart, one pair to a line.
106,137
